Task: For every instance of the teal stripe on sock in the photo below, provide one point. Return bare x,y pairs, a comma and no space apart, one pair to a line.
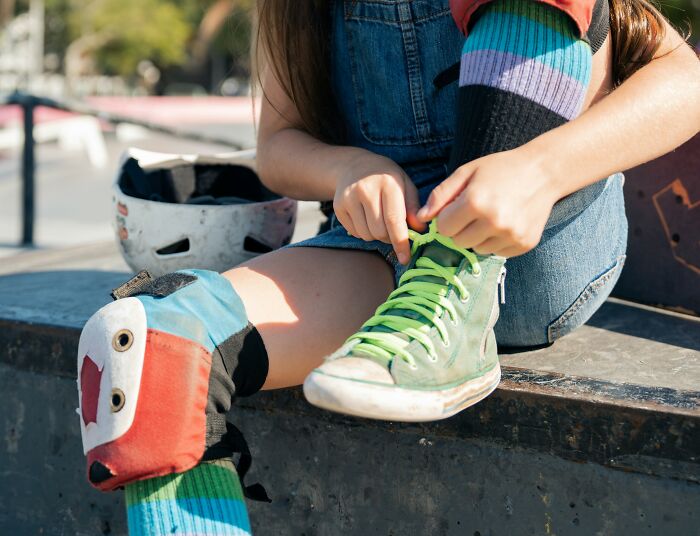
559,50
205,500
189,516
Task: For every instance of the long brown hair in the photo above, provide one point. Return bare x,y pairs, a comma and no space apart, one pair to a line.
637,30
293,41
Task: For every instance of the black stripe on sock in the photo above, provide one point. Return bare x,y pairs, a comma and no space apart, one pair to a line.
600,25
490,120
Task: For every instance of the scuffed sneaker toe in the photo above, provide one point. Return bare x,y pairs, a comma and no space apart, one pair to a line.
357,369
341,384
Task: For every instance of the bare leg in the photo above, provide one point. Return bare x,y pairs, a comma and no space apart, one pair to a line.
306,301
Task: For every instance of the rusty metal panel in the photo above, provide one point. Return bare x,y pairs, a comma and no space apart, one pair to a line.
663,262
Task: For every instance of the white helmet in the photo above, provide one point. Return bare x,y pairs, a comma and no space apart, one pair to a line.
189,211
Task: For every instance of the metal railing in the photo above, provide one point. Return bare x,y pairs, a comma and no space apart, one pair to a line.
28,103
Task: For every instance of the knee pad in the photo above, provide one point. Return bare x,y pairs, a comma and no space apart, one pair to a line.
158,370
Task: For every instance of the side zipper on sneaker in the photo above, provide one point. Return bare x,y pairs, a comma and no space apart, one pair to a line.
502,284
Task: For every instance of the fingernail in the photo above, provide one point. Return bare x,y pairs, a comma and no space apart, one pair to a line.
422,212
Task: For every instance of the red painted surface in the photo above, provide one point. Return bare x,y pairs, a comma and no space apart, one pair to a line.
168,432
165,110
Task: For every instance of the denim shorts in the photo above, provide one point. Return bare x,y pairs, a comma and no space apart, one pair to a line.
385,55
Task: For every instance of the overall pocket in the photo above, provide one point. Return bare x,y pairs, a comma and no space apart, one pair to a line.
396,48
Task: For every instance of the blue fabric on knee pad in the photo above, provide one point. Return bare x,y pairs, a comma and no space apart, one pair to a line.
210,299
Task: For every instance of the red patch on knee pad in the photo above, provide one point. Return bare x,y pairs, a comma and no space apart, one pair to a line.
581,11
168,433
90,378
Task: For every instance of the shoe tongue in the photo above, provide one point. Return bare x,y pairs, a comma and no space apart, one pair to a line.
442,255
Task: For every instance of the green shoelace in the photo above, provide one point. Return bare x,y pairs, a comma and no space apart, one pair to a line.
426,298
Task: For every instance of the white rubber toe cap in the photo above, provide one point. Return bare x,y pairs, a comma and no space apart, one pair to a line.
356,368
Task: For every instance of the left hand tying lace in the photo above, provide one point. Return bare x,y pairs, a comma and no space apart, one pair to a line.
497,204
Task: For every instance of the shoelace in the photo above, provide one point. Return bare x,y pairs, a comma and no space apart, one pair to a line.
426,298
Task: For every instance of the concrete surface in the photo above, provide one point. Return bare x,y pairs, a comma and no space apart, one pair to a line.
599,434
328,476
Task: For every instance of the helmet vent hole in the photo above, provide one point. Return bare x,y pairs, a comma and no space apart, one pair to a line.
252,245
181,246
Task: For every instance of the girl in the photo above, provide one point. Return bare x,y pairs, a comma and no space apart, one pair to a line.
434,184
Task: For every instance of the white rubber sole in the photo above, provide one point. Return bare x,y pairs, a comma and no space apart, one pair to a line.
389,403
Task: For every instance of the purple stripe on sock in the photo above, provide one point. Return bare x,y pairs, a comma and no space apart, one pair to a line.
523,76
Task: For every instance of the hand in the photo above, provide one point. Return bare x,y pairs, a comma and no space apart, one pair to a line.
374,200
498,204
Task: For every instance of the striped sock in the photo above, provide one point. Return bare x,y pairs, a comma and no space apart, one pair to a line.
523,72
205,500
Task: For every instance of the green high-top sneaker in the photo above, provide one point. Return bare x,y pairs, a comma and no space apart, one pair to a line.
429,351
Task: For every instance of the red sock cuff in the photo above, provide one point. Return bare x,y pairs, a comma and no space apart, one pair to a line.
581,11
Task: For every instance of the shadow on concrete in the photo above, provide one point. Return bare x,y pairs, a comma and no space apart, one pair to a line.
658,327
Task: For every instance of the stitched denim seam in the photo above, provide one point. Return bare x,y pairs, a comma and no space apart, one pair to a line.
415,79
348,14
389,22
554,329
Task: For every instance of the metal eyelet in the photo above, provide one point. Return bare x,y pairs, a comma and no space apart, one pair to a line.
122,340
476,272
465,299
117,400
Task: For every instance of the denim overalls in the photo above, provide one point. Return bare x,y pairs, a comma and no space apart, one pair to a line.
386,55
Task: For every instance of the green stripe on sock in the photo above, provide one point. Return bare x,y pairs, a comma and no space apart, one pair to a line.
216,480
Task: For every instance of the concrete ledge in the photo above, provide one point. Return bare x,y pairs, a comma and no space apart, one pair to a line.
533,458
632,410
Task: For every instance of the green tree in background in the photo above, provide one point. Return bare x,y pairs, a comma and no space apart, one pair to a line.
129,31
684,15
118,34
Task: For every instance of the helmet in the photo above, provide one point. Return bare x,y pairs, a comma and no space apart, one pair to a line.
188,211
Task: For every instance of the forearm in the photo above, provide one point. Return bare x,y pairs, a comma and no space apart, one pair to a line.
650,114
297,165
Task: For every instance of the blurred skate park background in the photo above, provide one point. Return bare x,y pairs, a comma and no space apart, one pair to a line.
183,65
599,434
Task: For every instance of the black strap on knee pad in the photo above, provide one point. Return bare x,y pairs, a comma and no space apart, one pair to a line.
239,368
232,442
